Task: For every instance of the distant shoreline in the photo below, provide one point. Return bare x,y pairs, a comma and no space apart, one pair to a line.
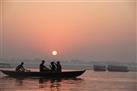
68,66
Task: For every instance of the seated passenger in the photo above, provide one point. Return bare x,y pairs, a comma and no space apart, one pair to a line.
52,66
20,68
58,67
42,67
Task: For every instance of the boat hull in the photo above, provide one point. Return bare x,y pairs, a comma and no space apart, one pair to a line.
114,68
99,67
68,74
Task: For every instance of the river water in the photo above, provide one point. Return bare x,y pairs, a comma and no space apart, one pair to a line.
89,81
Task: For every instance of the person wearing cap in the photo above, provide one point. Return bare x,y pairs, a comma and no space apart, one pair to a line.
20,67
42,67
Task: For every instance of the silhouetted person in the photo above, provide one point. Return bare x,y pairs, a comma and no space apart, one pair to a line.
58,66
42,67
20,67
52,66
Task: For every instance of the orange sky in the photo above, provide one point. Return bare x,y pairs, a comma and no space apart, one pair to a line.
77,30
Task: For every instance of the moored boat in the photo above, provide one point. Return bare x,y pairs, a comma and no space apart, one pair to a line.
116,68
99,67
65,74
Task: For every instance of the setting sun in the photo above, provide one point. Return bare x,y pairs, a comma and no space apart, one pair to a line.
54,53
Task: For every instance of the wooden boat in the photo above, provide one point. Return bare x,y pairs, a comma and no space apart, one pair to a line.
66,74
115,68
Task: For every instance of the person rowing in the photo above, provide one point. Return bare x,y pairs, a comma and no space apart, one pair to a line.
20,67
42,67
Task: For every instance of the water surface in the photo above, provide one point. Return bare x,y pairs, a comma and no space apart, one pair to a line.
89,81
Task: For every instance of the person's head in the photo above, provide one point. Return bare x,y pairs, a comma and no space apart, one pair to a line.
52,63
43,61
58,62
22,63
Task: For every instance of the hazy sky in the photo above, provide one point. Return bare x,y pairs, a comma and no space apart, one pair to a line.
96,30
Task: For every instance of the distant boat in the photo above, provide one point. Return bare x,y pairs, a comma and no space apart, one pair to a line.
116,68
65,74
99,67
5,65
